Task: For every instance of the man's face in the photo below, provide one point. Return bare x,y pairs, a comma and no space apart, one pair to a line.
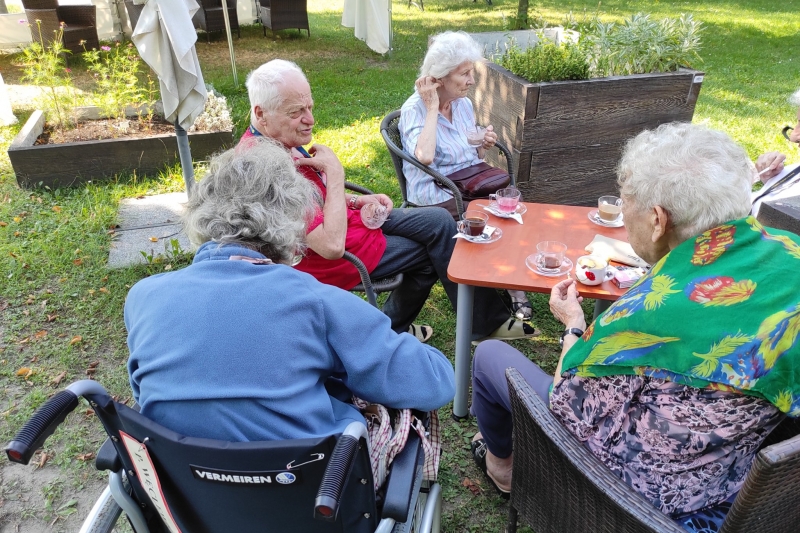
293,122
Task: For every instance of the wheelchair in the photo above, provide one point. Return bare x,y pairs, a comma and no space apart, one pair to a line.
169,483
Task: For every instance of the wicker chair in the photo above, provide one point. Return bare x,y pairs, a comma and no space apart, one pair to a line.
211,18
80,23
391,136
559,485
369,286
283,15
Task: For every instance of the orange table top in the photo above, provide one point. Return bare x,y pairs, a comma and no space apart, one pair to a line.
501,264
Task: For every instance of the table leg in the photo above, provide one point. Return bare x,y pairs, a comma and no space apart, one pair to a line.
600,306
463,350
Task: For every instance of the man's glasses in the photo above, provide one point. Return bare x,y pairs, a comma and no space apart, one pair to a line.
785,131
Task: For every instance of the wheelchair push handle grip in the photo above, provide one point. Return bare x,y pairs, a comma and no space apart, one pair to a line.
40,426
326,505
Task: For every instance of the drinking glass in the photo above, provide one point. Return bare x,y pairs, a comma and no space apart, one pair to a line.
507,199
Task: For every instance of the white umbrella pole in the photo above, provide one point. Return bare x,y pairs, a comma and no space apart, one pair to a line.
230,42
186,158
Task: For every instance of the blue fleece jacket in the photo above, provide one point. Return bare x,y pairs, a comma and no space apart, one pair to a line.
231,350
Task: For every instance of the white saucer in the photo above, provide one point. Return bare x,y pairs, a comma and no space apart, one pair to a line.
495,209
594,217
566,266
481,239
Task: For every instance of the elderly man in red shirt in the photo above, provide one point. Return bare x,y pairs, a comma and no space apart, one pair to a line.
416,242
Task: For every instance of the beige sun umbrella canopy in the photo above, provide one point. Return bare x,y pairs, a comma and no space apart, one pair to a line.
165,38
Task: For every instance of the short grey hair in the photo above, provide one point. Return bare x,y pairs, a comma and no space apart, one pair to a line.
264,85
254,196
795,98
448,50
698,175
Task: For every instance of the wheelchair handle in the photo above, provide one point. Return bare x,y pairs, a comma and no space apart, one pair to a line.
326,505
46,419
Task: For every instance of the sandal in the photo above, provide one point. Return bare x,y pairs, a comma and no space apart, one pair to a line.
521,309
479,449
422,333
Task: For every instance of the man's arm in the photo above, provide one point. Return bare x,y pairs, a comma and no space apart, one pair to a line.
328,238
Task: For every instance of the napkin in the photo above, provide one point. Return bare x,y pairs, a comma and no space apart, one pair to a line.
615,250
496,212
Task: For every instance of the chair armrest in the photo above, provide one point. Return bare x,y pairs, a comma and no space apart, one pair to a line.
556,480
356,188
107,457
405,478
509,161
366,282
440,179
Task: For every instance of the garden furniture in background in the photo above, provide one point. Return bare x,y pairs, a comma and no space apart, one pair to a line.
559,485
284,15
210,17
371,21
134,10
80,23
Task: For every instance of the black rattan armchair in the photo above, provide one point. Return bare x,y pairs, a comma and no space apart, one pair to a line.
559,485
80,23
391,136
134,10
368,285
284,15
211,18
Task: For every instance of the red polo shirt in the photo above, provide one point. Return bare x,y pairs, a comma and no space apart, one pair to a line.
366,244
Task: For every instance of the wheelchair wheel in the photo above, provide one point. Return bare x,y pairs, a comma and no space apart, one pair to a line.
103,516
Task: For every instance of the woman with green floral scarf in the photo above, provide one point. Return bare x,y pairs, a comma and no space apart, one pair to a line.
677,384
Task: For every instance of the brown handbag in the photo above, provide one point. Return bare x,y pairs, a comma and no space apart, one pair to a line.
479,181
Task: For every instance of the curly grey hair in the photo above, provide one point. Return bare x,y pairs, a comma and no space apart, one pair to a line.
698,175
448,50
253,196
264,84
795,98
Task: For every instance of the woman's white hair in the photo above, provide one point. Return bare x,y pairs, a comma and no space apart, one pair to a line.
252,195
264,85
795,98
448,50
698,175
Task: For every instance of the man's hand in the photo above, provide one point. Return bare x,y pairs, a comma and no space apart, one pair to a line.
565,304
772,161
375,198
324,160
426,87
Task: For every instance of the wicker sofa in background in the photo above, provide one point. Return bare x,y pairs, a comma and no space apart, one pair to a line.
284,15
559,485
80,23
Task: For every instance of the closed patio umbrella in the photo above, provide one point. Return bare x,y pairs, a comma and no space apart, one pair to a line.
165,39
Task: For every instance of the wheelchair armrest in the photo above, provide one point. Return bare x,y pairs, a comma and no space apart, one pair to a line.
107,457
404,480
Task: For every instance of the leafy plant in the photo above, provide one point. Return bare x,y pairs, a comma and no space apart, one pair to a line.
547,61
44,64
116,72
640,45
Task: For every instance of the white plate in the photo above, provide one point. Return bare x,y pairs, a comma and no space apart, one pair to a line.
594,217
481,239
566,266
521,210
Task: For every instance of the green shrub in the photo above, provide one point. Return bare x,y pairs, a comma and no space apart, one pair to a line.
547,62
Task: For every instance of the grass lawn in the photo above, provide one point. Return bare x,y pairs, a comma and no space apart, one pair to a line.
61,308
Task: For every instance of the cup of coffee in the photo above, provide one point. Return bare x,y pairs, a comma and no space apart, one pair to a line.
507,199
609,208
550,256
472,223
592,270
475,135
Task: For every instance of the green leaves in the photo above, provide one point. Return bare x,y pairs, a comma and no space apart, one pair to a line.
547,62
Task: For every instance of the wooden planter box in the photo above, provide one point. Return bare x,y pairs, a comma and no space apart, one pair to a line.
567,136
63,165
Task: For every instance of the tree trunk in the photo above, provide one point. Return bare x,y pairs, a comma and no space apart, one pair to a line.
522,16
3,8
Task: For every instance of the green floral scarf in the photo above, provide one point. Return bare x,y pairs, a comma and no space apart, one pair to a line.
722,310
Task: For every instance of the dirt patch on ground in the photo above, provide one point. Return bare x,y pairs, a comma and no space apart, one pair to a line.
95,130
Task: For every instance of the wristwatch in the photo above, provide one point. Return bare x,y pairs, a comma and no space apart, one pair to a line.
570,331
